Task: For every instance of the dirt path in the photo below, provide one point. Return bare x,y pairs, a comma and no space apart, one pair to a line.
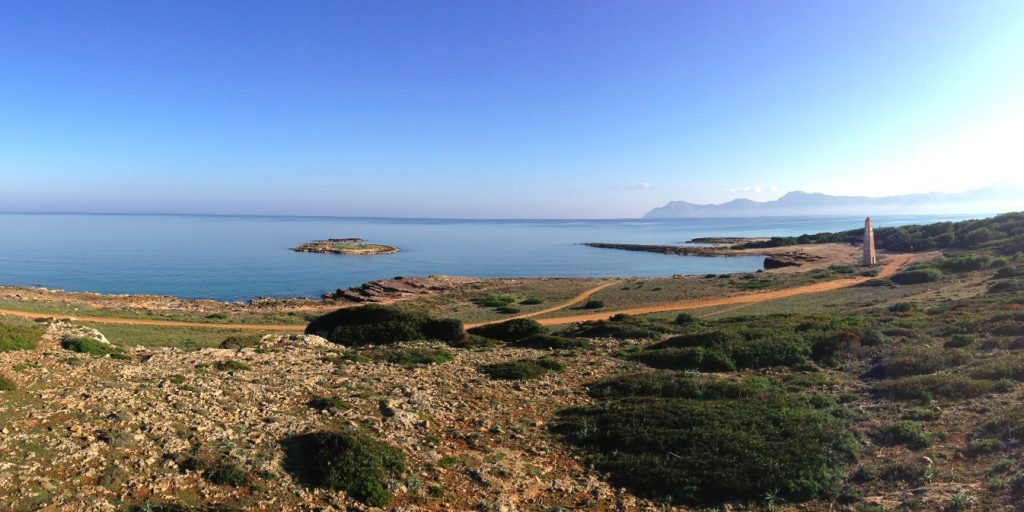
575,300
892,265
142,321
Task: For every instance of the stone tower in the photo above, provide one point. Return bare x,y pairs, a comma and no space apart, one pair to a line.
870,258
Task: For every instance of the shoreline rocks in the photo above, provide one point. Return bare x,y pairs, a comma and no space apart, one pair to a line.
353,246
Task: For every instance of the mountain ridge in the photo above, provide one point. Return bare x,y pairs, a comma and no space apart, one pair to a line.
816,203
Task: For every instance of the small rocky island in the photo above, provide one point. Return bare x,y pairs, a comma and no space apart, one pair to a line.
345,246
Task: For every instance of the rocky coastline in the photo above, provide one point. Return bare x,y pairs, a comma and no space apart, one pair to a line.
352,246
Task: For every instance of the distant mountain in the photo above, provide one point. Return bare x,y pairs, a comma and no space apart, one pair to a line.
986,200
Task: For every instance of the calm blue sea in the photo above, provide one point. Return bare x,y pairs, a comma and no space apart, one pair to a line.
242,257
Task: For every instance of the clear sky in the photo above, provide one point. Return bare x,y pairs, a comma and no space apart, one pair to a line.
500,109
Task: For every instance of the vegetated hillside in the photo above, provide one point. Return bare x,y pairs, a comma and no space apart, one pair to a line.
1002,234
906,397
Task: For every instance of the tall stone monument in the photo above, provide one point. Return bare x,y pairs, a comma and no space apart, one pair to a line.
870,258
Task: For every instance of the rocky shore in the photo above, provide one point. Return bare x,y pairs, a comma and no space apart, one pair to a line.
354,246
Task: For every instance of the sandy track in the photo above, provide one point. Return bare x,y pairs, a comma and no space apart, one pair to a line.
575,300
892,265
165,323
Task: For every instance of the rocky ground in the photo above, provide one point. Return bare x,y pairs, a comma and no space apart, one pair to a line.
96,433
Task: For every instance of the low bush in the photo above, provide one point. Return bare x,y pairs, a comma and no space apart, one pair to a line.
522,369
383,325
93,347
412,356
903,432
761,441
495,300
230,365
7,384
959,341
549,341
240,341
472,341
507,310
14,336
510,330
1005,367
347,461
329,403
926,275
531,301
620,327
918,361
593,304
902,307
924,388
228,473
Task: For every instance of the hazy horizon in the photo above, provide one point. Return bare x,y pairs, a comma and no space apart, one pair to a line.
525,110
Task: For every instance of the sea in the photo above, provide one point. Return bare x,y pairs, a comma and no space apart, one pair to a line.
227,257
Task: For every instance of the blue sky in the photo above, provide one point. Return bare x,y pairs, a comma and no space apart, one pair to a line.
500,109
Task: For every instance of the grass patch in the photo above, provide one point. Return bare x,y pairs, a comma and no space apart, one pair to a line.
522,369
7,384
229,474
903,432
921,276
705,441
923,388
17,336
620,327
412,356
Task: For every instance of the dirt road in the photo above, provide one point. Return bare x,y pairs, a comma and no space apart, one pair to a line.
892,265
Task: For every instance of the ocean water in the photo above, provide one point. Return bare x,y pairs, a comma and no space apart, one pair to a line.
243,257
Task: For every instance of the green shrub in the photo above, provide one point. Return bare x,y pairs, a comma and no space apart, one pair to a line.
872,338
92,347
347,461
927,275
686,319
230,365
927,387
507,310
1005,367
531,301
959,341
522,369
916,361
383,325
549,341
837,349
471,341
510,330
413,356
593,304
982,447
228,473
902,307
620,327
240,341
14,336
921,414
495,300
707,441
7,384
903,432
329,403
